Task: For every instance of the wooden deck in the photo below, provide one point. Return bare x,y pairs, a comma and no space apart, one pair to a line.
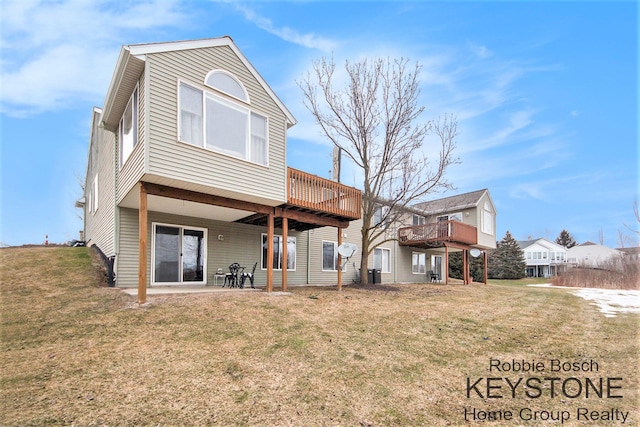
317,194
436,234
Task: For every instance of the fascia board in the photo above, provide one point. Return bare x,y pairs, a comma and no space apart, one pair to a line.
141,50
116,79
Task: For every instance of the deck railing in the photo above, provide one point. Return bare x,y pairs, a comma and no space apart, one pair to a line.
313,192
442,231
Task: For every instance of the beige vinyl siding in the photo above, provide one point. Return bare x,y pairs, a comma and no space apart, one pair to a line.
99,225
404,260
127,258
330,234
239,243
484,239
188,164
133,169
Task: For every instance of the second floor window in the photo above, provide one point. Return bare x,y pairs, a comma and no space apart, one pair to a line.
213,122
381,215
487,219
128,129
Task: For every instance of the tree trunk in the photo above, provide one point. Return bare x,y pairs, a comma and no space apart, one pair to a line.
364,260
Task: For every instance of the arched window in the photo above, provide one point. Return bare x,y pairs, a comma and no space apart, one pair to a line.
227,83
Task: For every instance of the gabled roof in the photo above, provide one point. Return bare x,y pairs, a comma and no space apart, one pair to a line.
131,64
542,242
454,203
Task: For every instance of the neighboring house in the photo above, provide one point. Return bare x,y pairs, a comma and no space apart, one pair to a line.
463,223
544,258
187,174
631,254
591,255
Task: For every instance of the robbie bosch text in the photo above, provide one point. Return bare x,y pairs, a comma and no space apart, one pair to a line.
553,378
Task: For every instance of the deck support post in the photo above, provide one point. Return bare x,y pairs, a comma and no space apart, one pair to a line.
486,268
339,260
142,245
446,265
467,268
285,252
270,252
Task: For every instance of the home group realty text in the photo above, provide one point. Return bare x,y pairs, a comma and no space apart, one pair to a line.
540,382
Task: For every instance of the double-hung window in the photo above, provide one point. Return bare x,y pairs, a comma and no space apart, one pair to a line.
487,219
418,263
381,215
128,128
329,256
418,220
382,259
222,124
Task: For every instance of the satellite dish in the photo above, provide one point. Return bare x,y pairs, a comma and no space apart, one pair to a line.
346,250
475,253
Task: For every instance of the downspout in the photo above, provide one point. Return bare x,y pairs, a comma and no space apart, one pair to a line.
308,257
395,261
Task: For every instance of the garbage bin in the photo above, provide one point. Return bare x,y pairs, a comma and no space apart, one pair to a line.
371,276
377,276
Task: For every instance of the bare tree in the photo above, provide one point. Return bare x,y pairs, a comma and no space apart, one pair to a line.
375,119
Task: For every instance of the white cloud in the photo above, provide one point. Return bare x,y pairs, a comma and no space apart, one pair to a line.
480,51
58,53
288,34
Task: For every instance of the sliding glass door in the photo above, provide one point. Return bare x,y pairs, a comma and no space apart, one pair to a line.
179,254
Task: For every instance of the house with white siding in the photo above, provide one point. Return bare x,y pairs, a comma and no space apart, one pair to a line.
187,174
544,258
591,255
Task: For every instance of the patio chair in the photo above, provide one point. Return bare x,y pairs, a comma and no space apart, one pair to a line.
435,277
247,275
231,277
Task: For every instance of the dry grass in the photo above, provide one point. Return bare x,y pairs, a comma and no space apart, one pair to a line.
74,353
615,273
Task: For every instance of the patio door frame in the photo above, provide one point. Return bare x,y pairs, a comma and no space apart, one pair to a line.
181,229
434,262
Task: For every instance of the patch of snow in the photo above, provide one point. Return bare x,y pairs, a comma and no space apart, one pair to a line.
610,302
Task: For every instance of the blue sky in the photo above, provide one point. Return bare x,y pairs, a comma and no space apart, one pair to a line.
546,96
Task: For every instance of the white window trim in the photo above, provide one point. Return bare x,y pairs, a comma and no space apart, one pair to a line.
230,103
421,219
94,198
220,71
335,248
135,118
153,254
487,219
424,255
382,268
448,216
264,235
